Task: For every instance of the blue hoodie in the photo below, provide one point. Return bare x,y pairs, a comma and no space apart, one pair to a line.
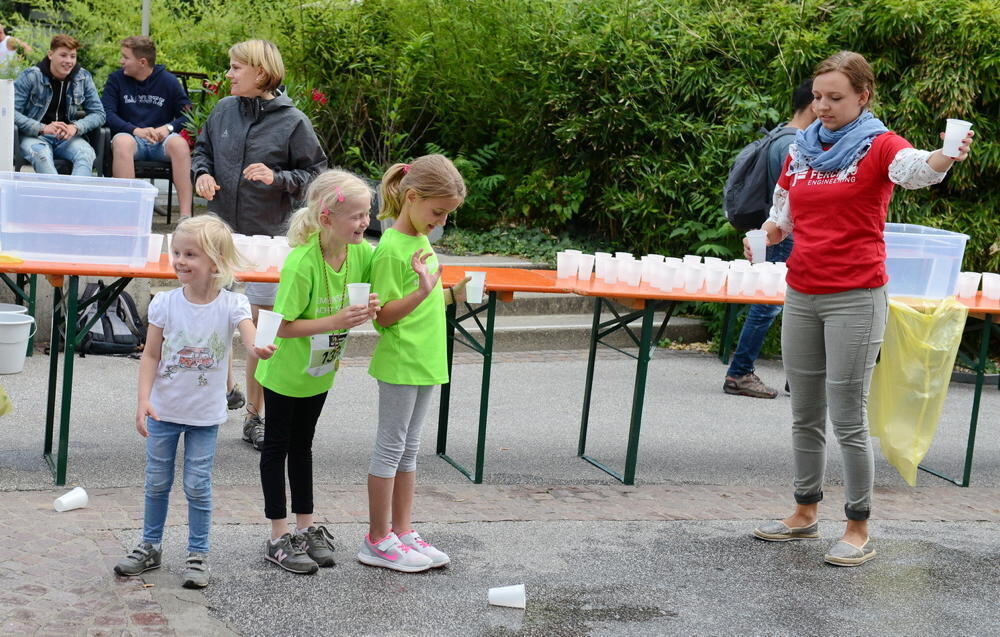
157,100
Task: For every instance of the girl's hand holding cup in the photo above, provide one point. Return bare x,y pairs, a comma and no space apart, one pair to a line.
373,306
458,290
350,316
963,146
264,353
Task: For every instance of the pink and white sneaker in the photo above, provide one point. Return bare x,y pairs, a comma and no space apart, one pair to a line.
413,540
389,552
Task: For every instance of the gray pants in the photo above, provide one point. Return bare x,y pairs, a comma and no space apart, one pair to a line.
401,413
829,344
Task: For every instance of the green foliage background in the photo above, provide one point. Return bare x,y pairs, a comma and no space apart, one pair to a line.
614,119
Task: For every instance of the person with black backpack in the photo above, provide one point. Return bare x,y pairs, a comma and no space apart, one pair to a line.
765,158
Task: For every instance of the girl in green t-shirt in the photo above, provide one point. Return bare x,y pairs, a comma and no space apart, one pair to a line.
410,358
329,253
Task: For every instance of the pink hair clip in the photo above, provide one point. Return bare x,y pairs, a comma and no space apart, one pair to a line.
325,212
406,168
340,195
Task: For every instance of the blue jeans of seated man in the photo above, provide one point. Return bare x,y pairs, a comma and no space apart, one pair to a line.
758,321
42,152
199,455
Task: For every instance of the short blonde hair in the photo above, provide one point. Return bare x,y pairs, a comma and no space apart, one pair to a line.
264,55
324,195
430,177
216,239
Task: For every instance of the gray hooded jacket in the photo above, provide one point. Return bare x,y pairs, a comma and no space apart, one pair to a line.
241,131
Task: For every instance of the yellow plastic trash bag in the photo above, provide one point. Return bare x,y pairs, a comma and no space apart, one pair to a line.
911,380
5,405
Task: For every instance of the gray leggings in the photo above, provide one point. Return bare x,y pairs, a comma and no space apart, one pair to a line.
401,412
829,344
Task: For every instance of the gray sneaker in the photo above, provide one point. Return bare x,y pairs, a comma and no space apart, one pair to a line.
235,398
844,554
288,554
778,531
142,558
196,571
748,385
253,431
318,545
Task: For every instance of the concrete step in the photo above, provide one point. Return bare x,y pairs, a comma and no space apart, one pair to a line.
534,332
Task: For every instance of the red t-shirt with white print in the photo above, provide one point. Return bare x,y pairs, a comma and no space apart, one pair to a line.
838,225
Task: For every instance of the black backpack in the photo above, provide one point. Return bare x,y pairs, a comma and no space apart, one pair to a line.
120,329
747,195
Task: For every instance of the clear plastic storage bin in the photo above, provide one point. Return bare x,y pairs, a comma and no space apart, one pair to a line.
923,262
75,219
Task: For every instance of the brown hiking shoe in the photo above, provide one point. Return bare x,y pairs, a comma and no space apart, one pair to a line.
748,385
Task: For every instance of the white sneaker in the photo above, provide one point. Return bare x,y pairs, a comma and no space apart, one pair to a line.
389,552
413,540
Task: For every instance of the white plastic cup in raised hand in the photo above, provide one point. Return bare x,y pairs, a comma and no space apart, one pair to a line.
73,499
155,248
268,323
585,267
991,286
758,245
510,596
954,132
357,293
475,287
968,284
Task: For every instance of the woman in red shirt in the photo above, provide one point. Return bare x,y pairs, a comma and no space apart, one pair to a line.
835,192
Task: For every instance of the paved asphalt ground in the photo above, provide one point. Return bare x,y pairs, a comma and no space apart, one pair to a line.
669,556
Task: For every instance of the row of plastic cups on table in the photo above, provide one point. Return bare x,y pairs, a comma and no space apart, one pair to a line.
692,273
258,253
968,285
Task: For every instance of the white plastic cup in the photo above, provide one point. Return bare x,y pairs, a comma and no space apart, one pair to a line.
991,286
770,281
155,248
694,277
475,287
623,255
751,282
611,270
170,252
585,267
268,323
283,252
357,293
630,271
692,258
711,260
968,284
510,596
758,245
566,265
734,281
73,499
715,279
954,132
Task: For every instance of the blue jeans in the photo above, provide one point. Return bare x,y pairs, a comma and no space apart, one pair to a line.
199,455
42,152
758,321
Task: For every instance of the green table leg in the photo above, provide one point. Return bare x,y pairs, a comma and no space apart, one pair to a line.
984,350
486,350
589,384
725,339
67,319
50,396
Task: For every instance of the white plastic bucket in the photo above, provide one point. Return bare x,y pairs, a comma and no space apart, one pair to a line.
15,330
11,308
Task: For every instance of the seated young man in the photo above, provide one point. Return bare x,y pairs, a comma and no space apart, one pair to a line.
55,104
145,104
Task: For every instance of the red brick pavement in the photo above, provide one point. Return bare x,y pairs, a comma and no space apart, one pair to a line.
55,568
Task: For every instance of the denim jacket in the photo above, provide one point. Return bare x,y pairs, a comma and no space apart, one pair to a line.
33,92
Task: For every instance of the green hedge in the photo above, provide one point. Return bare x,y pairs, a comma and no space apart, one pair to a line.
608,118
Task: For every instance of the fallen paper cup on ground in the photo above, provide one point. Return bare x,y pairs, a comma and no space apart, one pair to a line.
954,133
357,293
268,323
74,499
511,596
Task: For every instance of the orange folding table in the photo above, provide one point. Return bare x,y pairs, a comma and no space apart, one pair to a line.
67,310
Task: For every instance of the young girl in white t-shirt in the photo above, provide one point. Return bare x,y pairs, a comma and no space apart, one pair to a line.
182,387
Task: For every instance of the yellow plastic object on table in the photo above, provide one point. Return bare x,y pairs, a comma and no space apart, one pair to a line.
6,258
911,380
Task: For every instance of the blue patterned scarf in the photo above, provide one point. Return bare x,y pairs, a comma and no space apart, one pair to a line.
849,144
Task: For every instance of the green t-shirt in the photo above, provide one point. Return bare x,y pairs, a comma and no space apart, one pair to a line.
305,366
412,351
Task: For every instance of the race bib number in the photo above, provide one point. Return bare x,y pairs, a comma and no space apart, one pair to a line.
324,353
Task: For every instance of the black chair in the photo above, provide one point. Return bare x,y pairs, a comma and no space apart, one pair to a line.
97,138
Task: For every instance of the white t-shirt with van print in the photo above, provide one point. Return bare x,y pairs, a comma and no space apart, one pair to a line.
190,383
